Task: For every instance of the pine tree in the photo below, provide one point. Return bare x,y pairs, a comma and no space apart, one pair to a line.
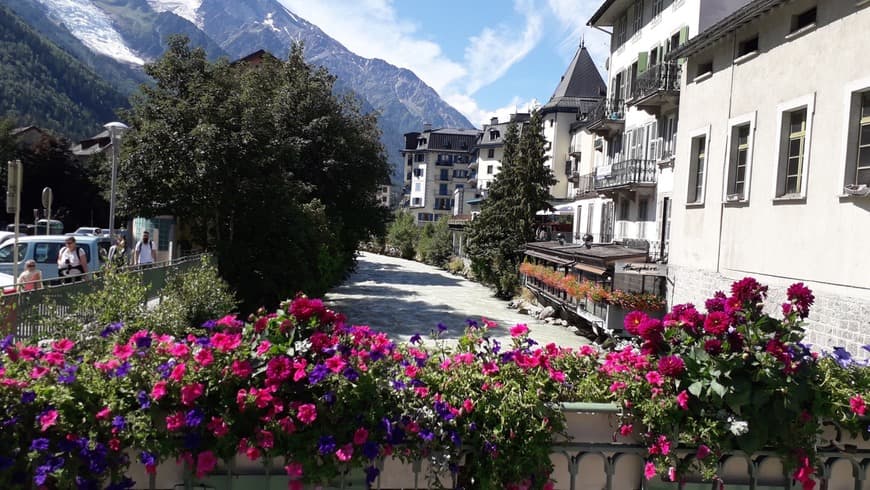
506,222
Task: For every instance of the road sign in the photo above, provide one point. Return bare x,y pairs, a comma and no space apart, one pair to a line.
47,196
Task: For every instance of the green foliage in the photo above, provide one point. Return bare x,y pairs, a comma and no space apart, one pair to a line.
41,84
403,234
192,297
506,222
266,165
456,266
435,245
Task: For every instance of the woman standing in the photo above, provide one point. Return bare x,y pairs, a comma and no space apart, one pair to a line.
31,278
72,262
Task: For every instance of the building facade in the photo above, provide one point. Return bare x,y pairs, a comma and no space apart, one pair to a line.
638,120
436,164
773,161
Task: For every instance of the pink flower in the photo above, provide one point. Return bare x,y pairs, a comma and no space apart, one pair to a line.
242,369
649,470
468,405
490,367
204,357
266,439
672,474
218,427
654,378
717,323
671,366
189,393
411,371
63,345
633,320
422,391
104,413
263,347
625,430
179,350
360,436
802,298
344,453
159,390
178,372
336,363
225,342
205,463
54,359
294,470
519,330
47,419
616,386
299,366
174,421
278,369
856,403
703,452
287,425
683,400
306,413
122,351
38,372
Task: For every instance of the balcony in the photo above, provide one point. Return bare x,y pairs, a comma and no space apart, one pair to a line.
657,90
627,174
607,118
584,185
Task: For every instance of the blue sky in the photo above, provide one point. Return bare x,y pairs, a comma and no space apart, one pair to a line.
484,57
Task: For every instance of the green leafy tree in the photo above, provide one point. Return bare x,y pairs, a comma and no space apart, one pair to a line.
506,221
436,243
262,162
403,234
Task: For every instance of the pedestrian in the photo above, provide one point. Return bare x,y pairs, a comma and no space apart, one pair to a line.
118,252
31,278
72,262
143,254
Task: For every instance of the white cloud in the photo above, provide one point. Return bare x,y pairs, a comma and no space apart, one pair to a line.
480,116
571,16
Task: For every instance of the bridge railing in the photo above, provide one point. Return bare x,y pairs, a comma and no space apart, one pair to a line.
25,312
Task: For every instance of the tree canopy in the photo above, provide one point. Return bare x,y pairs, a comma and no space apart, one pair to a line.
261,162
506,220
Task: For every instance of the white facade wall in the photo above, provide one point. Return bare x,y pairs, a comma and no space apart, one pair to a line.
818,237
488,168
557,131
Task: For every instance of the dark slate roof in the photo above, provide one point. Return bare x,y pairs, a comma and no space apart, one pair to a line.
600,12
719,30
581,81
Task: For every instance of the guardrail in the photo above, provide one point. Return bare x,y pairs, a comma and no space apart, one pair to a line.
25,311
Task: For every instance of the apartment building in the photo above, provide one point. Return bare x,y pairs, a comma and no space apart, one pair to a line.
773,161
638,120
489,151
436,164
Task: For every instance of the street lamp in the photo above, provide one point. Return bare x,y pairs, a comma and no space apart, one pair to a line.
116,129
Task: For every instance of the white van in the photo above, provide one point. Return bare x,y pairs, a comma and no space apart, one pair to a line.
44,250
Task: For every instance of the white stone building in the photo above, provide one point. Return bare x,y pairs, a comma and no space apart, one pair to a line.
773,161
436,164
638,120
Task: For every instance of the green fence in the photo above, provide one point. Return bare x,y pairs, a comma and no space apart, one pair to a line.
26,311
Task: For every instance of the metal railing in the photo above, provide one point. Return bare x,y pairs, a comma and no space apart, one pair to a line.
608,110
664,77
626,172
583,184
24,312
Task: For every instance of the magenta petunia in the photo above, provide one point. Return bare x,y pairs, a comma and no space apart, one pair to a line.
306,413
857,405
649,470
519,330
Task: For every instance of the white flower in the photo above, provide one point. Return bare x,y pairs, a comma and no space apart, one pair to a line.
739,427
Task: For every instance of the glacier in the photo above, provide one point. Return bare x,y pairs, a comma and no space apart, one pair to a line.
186,9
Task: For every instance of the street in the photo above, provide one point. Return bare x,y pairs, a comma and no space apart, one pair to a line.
403,298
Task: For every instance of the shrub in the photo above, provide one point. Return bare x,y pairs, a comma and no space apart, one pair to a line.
191,297
403,234
456,266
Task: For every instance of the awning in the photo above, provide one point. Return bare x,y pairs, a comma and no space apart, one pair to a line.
549,258
563,210
590,268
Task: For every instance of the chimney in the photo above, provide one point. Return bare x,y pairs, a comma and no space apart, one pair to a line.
493,121
427,127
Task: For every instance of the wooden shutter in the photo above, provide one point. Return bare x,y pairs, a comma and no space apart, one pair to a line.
642,60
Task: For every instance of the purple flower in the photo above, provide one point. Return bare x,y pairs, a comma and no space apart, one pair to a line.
370,450
317,374
531,342
119,422
350,373
326,445
426,435
210,324
371,474
490,447
193,417
471,323
28,397
442,327
147,458
67,375
39,444
7,342
416,339
165,369
143,399
112,328
329,397
122,370
842,357
454,437
143,342
397,384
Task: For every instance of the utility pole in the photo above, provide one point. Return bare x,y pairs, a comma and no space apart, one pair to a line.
13,205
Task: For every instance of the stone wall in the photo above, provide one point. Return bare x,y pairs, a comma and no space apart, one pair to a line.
834,321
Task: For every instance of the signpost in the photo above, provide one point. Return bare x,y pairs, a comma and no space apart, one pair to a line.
13,205
47,196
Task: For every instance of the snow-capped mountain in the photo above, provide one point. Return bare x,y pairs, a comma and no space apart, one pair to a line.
93,27
135,32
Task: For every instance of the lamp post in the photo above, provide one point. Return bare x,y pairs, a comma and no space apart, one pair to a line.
116,129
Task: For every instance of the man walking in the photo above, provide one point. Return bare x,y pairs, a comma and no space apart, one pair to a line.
144,252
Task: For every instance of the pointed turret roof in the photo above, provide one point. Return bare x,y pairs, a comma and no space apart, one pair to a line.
580,81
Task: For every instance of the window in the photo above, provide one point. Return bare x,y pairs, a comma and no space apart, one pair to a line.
494,135
6,253
445,174
489,169
460,186
657,7
792,152
552,122
567,167
858,149
637,19
696,170
643,210
739,159
589,214
490,153
416,201
442,189
623,209
748,46
704,69
418,172
802,20
619,30
418,157
418,187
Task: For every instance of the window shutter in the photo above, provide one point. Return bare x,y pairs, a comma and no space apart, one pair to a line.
642,60
684,35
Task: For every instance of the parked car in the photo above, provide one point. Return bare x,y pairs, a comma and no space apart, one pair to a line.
22,228
6,235
44,228
44,250
88,231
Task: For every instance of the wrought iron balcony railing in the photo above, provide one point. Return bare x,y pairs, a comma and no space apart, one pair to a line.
608,110
625,173
583,184
664,77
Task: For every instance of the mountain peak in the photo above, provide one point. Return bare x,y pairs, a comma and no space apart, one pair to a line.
186,9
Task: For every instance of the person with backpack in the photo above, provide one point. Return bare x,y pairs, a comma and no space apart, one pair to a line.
118,252
72,262
143,254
